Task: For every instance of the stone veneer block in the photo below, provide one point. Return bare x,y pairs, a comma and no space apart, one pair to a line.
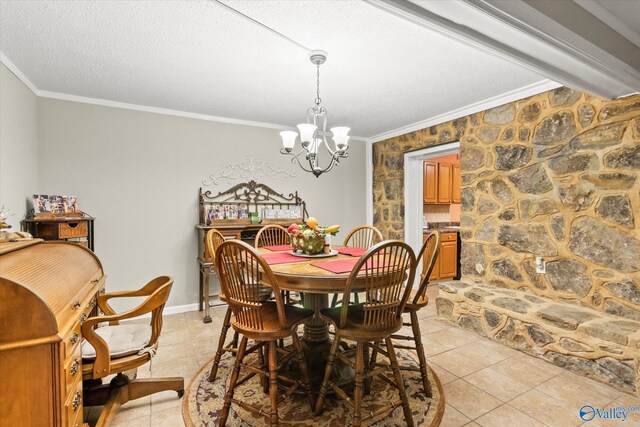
566,317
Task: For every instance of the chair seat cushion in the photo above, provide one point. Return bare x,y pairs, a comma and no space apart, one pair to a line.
123,340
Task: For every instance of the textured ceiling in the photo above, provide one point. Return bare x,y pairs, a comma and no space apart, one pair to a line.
382,72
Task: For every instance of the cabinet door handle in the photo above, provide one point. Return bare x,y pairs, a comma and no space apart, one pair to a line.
74,338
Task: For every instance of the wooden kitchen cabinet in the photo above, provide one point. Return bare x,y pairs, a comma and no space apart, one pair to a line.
441,183
444,182
446,266
430,185
455,183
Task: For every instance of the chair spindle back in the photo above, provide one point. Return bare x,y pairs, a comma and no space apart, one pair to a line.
272,235
364,236
212,240
430,250
387,270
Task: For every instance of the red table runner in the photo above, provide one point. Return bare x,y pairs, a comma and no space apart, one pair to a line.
353,251
281,258
277,248
344,265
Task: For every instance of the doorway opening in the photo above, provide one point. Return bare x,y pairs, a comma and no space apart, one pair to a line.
414,206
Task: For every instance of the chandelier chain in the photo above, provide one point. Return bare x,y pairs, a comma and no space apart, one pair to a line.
318,99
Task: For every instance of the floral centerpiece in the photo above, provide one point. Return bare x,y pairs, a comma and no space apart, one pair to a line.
309,237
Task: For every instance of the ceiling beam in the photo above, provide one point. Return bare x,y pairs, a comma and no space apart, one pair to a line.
548,37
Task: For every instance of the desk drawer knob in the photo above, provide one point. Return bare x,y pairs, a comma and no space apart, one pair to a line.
83,317
94,281
74,338
75,305
76,401
74,367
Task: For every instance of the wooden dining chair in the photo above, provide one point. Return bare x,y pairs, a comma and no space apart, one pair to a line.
386,272
213,240
272,235
275,235
265,322
429,250
363,236
120,348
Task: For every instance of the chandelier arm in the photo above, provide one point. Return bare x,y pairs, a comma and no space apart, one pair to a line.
295,158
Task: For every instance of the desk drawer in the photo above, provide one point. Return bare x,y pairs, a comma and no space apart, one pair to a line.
73,405
72,340
72,229
73,368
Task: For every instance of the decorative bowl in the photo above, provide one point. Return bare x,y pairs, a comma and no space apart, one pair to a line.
308,242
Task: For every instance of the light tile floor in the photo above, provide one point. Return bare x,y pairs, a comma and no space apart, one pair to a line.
485,383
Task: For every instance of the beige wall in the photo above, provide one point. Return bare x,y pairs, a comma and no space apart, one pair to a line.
138,173
18,143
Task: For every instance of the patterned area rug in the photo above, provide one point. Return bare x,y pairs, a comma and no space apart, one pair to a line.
203,401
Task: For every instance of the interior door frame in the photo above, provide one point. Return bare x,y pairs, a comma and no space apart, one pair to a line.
413,189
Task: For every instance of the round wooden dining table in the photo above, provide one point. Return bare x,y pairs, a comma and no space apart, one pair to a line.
316,284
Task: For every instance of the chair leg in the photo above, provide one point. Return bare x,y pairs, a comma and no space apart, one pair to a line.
367,380
226,323
263,366
357,389
302,364
415,326
334,300
232,382
399,382
328,372
273,383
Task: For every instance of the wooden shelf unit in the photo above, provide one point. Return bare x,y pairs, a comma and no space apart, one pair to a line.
256,196
77,229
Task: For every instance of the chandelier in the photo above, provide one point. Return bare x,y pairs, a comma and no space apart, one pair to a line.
313,134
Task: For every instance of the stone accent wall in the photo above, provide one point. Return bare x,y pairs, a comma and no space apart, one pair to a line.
597,345
555,175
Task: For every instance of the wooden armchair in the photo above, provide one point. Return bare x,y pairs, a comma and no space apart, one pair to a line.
122,349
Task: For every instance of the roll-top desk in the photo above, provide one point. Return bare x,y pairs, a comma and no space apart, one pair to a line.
47,290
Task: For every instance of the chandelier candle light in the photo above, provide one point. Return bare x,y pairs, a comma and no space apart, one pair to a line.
314,133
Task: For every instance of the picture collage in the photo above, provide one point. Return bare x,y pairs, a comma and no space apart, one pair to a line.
43,203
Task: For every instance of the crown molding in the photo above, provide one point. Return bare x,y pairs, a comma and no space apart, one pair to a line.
18,73
137,107
157,110
505,98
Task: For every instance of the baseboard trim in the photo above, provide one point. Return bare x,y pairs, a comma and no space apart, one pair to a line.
176,309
